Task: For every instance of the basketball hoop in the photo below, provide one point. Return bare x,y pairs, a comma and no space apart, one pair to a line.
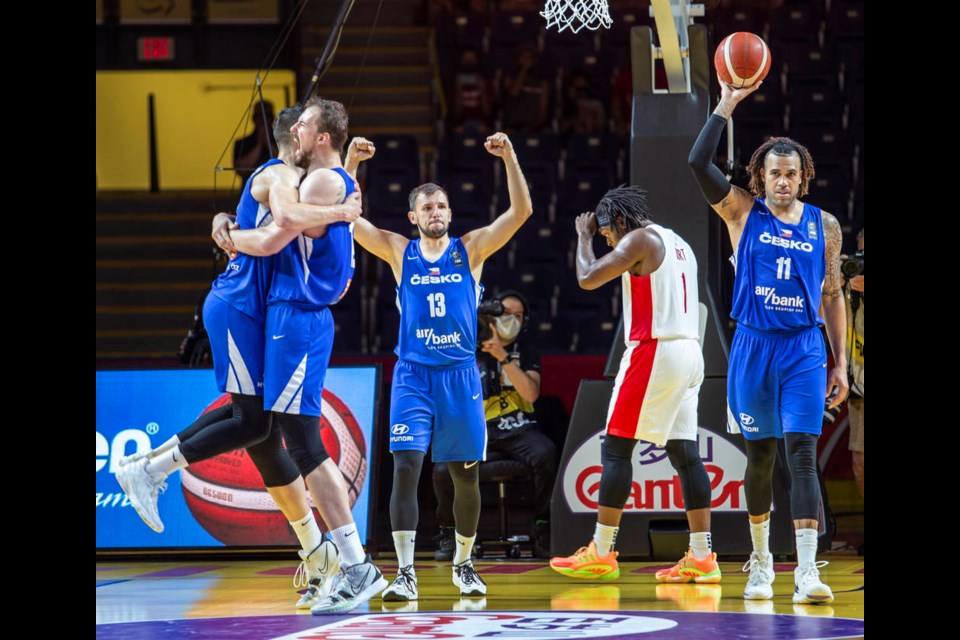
577,14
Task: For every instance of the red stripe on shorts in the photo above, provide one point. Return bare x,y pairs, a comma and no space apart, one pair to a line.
633,391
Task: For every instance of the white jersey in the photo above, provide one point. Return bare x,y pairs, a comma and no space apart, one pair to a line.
663,305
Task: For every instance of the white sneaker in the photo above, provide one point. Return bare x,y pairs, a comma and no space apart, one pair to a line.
142,488
316,572
760,583
465,577
807,588
354,585
404,587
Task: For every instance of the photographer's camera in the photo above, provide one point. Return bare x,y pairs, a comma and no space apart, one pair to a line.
486,312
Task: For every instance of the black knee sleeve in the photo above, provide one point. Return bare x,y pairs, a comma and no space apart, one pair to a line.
758,479
247,426
804,484
302,435
466,497
272,461
404,513
615,455
216,415
694,481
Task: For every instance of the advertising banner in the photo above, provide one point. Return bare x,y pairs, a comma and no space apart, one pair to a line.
221,501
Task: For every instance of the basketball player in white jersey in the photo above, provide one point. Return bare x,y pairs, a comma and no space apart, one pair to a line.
656,392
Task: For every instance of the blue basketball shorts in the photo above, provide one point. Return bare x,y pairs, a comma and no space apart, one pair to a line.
776,383
298,346
236,343
442,405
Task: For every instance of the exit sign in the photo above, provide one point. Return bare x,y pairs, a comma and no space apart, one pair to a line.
152,49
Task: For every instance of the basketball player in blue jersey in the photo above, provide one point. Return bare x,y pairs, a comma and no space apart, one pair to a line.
312,271
436,393
234,314
787,262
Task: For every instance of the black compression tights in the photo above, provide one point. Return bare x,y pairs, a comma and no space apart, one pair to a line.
694,481
404,508
758,479
804,484
247,426
466,497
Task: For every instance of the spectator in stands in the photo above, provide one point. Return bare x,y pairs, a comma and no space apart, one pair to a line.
471,97
510,374
526,95
582,112
257,148
621,100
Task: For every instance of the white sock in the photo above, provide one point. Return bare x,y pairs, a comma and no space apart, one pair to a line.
760,534
701,544
403,542
348,542
163,448
605,537
806,548
308,532
464,548
167,462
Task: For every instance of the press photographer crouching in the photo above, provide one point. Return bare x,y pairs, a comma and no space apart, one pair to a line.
510,375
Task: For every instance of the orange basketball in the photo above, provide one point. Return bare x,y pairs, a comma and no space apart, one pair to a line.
742,59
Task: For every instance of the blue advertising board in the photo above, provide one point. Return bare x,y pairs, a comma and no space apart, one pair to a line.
220,502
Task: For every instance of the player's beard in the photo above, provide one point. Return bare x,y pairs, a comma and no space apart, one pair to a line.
302,158
431,233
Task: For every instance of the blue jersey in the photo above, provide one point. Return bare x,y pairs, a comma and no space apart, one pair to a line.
313,273
780,269
246,280
438,308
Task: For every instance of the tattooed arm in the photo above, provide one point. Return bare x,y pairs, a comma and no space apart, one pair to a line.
834,311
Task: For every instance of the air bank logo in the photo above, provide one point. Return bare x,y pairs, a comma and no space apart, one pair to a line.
438,340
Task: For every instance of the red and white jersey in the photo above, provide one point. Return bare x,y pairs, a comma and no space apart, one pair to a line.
663,305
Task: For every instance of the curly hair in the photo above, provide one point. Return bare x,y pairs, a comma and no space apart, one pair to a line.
627,201
780,147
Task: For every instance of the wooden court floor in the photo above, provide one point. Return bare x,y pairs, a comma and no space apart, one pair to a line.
526,599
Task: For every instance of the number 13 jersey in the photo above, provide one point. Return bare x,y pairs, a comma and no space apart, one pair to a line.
438,308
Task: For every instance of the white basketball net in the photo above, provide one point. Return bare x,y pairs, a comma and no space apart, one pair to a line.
577,14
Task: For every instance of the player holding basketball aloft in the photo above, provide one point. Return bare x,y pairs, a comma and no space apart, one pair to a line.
658,386
436,392
787,262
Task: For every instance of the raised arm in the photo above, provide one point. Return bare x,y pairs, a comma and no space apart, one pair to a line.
483,242
360,150
730,202
834,312
593,273
386,245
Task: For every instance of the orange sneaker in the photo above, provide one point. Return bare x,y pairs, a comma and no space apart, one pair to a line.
586,564
691,569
